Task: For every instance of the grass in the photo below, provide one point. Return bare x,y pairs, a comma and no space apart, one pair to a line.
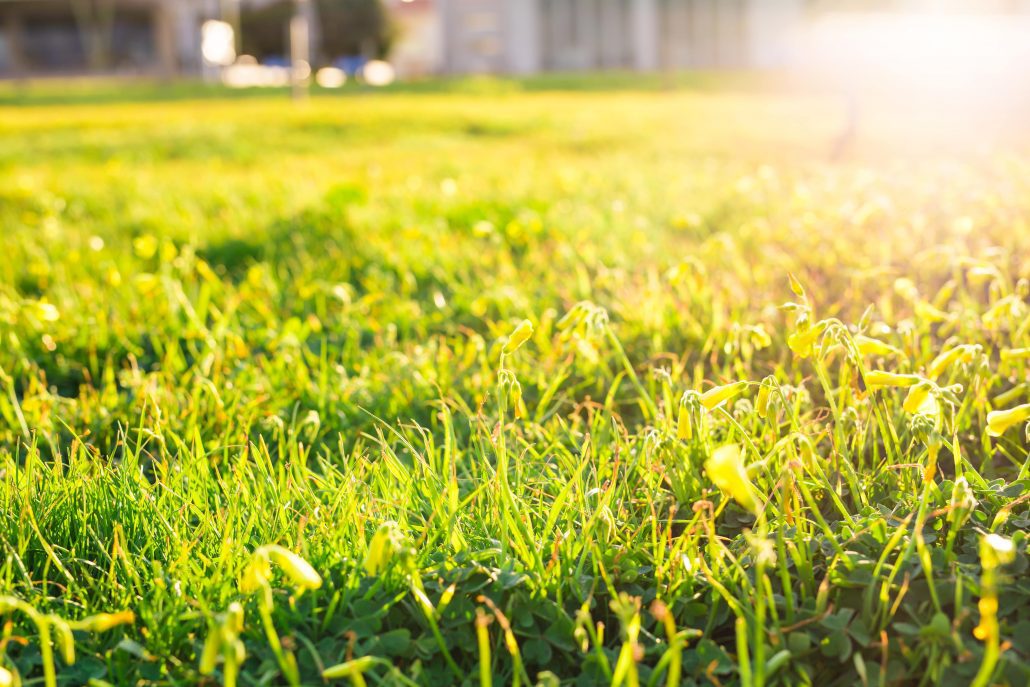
269,400
119,90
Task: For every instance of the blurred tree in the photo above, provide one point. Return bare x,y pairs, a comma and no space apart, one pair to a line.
95,19
345,28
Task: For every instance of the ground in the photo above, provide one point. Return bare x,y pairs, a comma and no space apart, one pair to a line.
232,324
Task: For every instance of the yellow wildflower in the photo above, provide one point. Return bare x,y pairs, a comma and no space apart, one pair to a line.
1008,354
1000,420
875,378
802,341
518,337
919,396
718,395
296,568
726,470
958,354
870,346
102,622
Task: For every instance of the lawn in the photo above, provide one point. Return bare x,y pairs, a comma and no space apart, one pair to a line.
506,385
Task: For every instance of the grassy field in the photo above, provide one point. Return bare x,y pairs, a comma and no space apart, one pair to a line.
504,387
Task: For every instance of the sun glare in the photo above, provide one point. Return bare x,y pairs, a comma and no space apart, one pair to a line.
979,57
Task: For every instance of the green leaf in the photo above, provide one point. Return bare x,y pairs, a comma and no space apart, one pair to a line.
837,644
395,642
537,651
799,642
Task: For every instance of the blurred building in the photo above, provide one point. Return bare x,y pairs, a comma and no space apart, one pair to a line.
565,35
67,37
530,36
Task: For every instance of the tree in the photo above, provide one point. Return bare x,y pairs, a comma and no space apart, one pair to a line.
345,27
95,19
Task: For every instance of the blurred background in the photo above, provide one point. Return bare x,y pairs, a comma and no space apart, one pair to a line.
950,40
948,71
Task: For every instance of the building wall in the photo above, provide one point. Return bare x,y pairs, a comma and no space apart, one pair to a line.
502,36
499,36
522,37
527,36
418,48
474,36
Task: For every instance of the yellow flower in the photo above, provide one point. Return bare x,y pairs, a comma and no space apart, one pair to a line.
257,573
802,341
958,354
6,678
518,337
48,312
234,617
1008,354
718,395
875,378
759,337
1007,307
762,404
102,622
929,407
870,346
386,545
926,311
64,639
1002,549
684,424
1000,420
296,568
352,668
145,246
726,470
981,274
920,401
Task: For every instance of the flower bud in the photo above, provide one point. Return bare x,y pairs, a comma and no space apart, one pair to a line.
386,545
875,378
234,618
869,346
958,354
257,573
102,622
1009,354
63,639
718,395
689,409
762,404
351,668
209,654
518,337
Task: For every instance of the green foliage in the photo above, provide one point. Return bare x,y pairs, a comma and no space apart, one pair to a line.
419,390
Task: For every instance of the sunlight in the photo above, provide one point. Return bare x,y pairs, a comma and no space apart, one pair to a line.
936,55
